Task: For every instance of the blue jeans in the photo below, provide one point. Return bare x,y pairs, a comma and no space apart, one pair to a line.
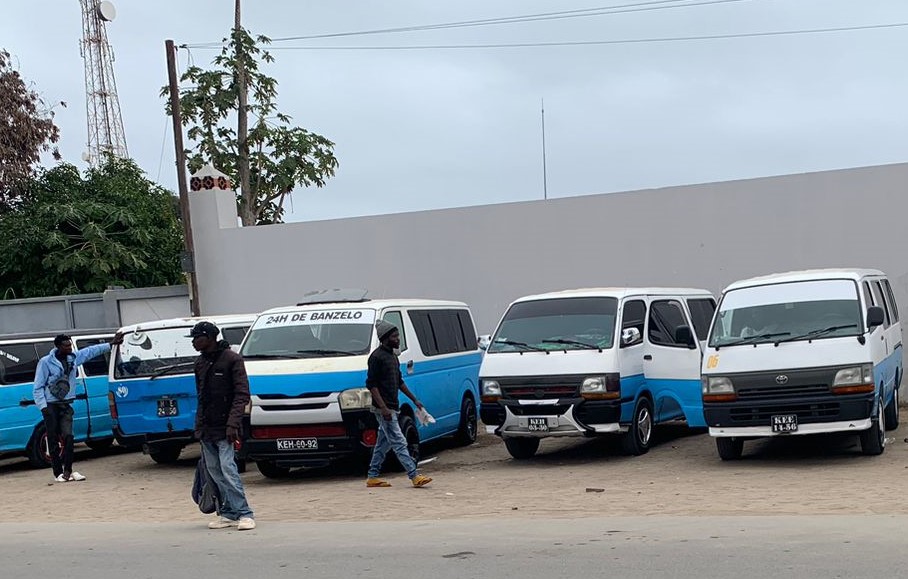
219,459
390,438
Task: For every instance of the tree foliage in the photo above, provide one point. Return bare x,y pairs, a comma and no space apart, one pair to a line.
73,234
281,156
27,129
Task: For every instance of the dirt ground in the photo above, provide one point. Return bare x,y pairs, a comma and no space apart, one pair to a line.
681,475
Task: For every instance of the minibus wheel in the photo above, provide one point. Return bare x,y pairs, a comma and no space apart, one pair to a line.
466,432
166,453
892,411
521,448
37,451
637,438
873,440
730,448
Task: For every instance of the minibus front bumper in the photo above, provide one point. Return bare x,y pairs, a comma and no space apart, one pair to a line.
149,441
559,417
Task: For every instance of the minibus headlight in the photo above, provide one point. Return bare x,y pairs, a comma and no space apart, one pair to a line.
355,399
601,387
718,385
491,388
594,384
862,374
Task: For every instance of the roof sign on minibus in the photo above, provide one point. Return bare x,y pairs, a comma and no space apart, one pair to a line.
310,317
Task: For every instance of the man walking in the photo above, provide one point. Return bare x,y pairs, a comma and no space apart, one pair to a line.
384,381
54,392
223,390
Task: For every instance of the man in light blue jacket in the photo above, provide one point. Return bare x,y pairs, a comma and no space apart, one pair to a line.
55,390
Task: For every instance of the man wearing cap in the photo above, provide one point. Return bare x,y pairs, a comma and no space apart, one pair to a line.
384,381
223,390
54,392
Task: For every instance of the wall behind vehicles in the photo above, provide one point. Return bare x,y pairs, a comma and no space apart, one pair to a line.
110,309
703,236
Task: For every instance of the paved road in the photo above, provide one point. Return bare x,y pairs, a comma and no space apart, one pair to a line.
804,547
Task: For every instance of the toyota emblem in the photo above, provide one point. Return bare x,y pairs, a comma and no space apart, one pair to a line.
781,379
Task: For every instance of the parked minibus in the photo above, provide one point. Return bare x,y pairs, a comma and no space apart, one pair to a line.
804,352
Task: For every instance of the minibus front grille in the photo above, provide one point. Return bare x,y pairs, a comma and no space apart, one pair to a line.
291,396
773,391
283,407
762,413
540,387
539,410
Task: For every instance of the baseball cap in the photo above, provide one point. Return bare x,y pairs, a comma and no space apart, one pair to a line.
204,329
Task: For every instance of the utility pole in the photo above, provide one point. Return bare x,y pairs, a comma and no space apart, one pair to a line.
242,131
188,245
545,185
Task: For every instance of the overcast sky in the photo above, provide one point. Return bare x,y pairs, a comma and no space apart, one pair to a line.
427,129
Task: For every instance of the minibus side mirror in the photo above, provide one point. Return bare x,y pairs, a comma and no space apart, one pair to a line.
875,317
684,335
630,336
483,341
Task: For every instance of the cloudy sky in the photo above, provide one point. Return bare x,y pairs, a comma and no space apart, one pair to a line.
425,129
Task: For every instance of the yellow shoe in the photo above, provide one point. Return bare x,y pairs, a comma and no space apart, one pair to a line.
377,482
420,480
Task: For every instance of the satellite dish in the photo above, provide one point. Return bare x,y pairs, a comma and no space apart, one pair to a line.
106,11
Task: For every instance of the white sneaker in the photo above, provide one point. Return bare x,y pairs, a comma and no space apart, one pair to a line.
60,478
246,524
76,476
223,523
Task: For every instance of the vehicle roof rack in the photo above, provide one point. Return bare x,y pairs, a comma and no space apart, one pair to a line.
334,296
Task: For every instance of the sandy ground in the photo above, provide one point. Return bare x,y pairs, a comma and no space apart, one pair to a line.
681,475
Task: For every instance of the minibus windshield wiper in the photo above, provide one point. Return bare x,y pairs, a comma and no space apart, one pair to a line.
818,333
172,368
585,345
751,339
325,352
519,344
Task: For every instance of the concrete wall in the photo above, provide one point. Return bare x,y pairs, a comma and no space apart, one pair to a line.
111,309
700,235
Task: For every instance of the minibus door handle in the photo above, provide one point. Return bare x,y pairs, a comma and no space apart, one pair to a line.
409,366
647,356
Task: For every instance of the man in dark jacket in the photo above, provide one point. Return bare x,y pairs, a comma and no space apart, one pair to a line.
384,381
223,390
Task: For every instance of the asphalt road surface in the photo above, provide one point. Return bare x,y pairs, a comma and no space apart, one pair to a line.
805,547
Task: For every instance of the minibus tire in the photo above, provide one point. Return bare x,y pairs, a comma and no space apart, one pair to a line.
469,426
873,440
35,449
730,448
166,454
632,441
271,470
99,444
521,448
892,411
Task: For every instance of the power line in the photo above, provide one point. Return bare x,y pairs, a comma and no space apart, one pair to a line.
601,42
543,16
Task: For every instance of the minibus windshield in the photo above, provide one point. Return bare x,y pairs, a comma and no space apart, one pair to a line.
557,324
310,334
147,353
787,312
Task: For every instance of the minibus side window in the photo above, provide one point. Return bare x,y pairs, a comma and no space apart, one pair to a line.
701,314
398,321
98,365
467,328
633,315
878,298
868,297
664,317
18,362
234,335
893,306
441,332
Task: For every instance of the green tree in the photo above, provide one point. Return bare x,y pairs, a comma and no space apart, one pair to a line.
27,129
75,234
280,156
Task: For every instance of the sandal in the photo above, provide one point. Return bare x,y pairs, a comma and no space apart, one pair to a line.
377,482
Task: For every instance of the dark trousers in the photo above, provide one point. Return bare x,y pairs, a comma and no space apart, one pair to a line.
59,424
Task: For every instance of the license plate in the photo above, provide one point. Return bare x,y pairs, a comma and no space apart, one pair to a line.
167,407
297,444
784,423
537,425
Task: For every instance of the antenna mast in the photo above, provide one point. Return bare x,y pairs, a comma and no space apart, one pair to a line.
105,124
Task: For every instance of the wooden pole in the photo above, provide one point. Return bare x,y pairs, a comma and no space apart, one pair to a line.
188,245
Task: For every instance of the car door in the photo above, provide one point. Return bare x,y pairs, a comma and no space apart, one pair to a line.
18,413
672,369
631,353
94,385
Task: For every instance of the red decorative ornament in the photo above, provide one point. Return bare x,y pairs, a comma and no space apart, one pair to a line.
195,184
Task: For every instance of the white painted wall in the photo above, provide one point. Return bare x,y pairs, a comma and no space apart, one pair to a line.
700,236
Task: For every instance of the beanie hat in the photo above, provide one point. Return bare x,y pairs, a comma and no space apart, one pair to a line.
383,328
